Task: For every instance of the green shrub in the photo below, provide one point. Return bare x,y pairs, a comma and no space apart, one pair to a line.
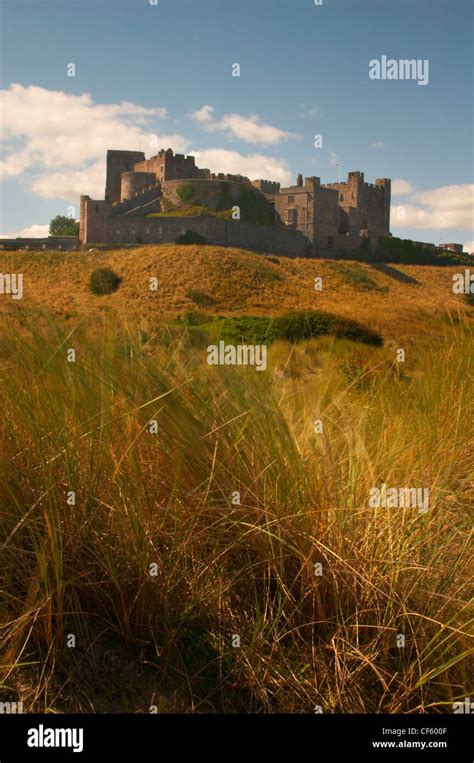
294,327
194,318
185,192
247,328
191,237
104,281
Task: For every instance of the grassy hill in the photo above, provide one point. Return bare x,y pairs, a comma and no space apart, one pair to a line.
398,301
155,507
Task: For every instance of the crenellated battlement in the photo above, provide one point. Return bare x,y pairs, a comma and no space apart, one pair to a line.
329,215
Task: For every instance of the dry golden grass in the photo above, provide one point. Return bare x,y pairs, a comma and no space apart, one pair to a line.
307,639
410,300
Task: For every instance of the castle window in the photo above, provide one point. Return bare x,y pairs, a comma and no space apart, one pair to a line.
97,208
291,199
330,242
341,197
292,216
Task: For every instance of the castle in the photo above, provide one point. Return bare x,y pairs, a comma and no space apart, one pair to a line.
306,219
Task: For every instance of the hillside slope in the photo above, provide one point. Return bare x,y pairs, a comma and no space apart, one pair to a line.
397,300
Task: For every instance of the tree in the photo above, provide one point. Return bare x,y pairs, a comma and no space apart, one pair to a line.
61,225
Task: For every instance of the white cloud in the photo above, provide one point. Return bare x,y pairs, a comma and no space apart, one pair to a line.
469,247
378,144
250,129
56,134
203,116
402,187
34,231
451,206
69,183
254,166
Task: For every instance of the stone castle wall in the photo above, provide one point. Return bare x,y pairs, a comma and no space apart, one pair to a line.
135,182
365,206
308,216
49,242
164,230
169,166
266,186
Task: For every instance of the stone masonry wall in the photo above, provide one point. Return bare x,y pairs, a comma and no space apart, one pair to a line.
50,242
118,162
93,220
262,238
168,166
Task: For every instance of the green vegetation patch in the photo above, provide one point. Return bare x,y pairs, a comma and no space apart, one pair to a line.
61,225
357,277
254,208
292,327
185,192
407,252
104,281
190,210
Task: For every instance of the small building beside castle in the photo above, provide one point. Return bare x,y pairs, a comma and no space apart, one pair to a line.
301,220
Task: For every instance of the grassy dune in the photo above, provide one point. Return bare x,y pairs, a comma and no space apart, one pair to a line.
137,590
398,301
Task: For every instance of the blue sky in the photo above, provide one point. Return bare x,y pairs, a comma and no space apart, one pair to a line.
143,71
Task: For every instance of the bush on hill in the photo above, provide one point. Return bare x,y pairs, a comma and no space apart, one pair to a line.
104,281
292,327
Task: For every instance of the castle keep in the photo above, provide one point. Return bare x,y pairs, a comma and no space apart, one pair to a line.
301,220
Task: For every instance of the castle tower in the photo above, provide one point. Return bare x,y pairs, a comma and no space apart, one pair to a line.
135,182
385,186
118,162
353,197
